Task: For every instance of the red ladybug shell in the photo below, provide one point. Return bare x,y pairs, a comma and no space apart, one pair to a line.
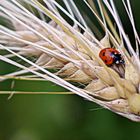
107,55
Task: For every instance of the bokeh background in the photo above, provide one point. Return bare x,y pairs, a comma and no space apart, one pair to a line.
60,117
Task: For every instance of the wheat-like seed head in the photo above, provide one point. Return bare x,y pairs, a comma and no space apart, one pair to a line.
73,51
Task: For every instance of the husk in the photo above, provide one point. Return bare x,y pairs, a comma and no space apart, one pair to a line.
111,87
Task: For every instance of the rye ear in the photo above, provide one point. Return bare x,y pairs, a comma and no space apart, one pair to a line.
67,54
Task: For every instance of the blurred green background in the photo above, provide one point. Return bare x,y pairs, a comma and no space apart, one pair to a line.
60,117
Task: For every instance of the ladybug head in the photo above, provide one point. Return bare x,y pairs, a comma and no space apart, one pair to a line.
118,59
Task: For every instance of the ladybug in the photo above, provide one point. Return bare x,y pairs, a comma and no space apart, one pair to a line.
111,56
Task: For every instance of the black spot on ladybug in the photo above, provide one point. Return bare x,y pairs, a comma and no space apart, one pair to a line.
103,53
105,61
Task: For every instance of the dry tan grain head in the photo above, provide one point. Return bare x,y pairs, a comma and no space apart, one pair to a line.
75,56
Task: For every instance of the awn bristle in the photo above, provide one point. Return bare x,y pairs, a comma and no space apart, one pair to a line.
73,51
